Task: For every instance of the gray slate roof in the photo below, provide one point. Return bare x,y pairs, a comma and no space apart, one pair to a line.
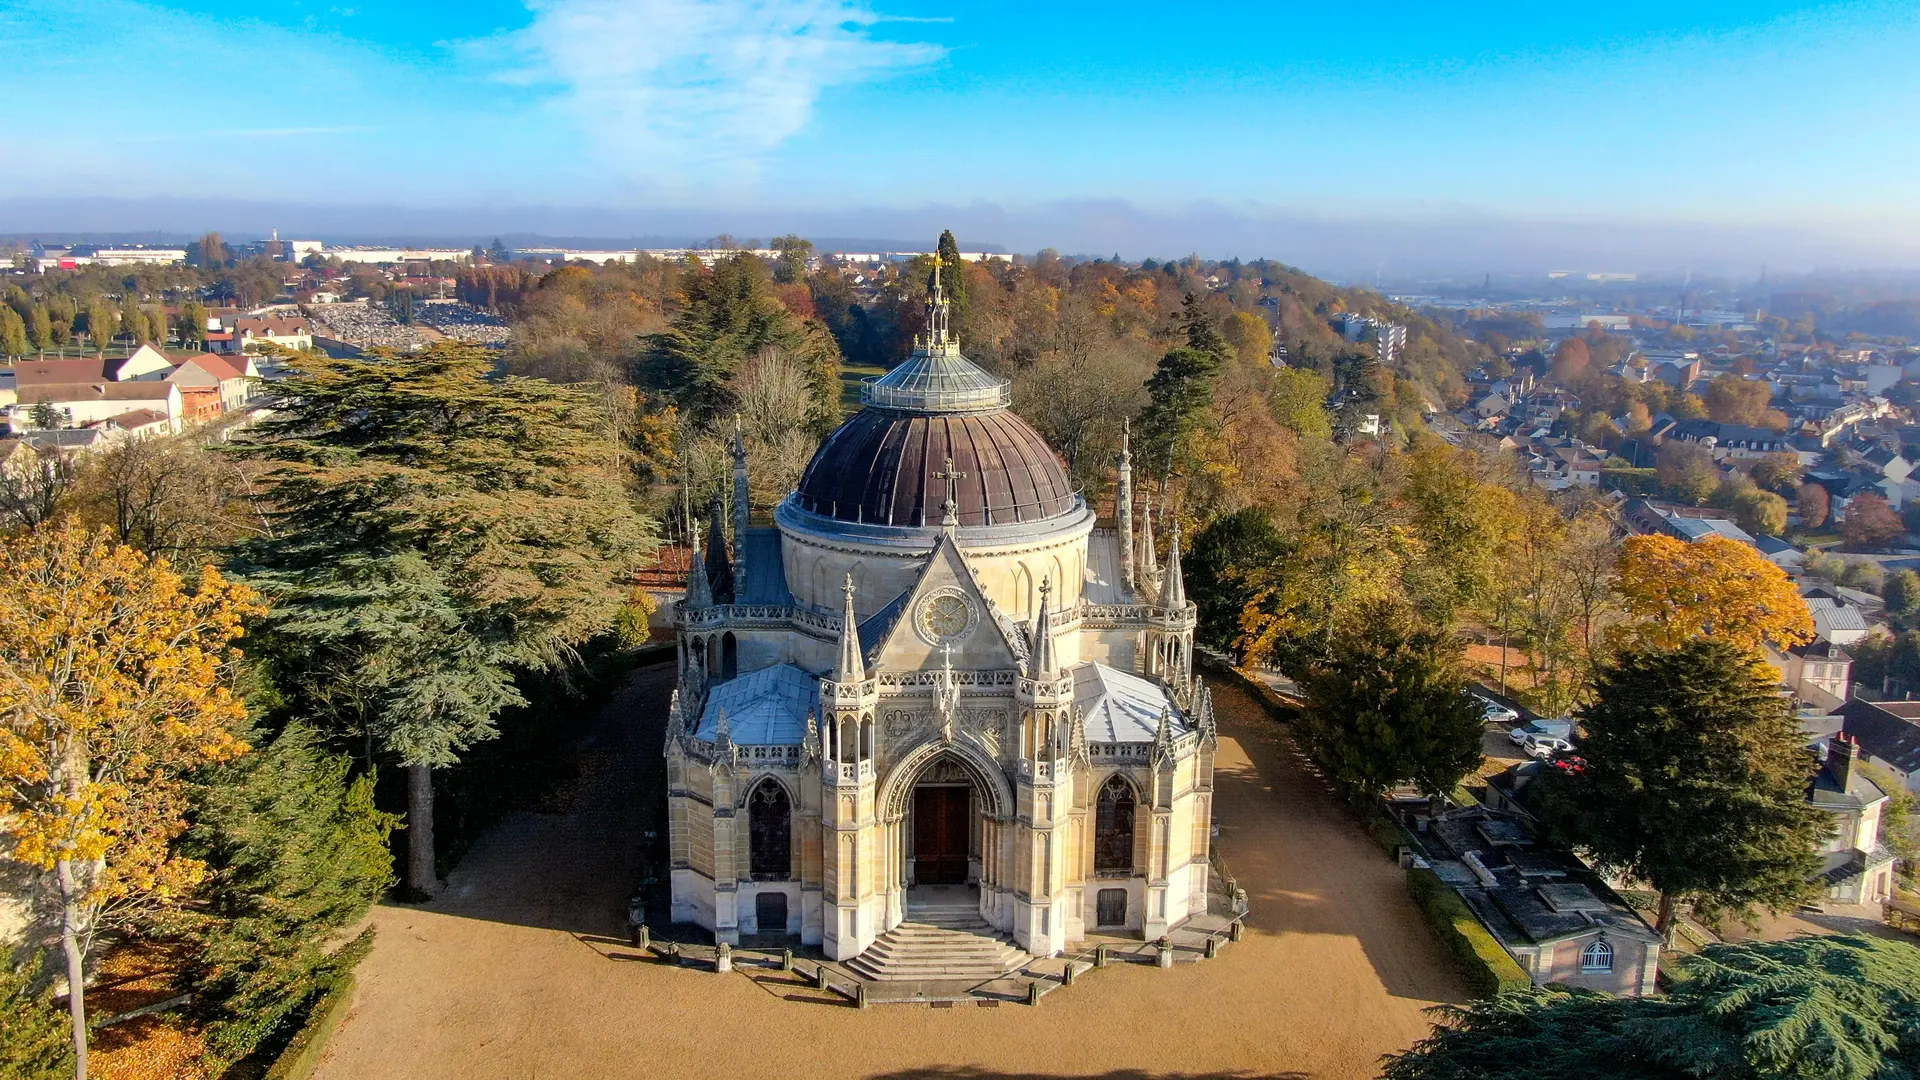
1121,707
767,707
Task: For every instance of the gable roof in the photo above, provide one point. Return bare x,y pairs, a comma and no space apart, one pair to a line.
135,419
61,372
56,393
1888,730
274,325
220,367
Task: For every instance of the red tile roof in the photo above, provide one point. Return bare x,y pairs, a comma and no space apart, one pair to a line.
52,372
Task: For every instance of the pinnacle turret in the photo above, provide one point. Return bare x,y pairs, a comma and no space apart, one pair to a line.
699,592
1173,592
1040,663
850,665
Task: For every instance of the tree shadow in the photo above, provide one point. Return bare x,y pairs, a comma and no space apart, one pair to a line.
978,1073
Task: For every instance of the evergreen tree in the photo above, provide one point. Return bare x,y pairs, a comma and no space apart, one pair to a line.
1181,389
1814,1008
953,276
730,314
1695,780
435,530
297,852
34,1043
1387,706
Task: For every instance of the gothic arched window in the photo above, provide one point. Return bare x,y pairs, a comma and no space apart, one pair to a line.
770,832
1113,829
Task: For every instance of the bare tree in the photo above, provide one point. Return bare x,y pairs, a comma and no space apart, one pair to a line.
33,481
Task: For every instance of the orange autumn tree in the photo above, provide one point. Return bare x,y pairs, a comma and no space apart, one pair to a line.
1674,592
112,687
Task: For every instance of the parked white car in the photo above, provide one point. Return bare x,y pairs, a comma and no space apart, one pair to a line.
1542,746
1494,712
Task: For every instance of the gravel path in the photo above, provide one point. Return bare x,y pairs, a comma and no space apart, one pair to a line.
518,971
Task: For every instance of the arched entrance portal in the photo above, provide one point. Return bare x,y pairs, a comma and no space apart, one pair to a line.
941,829
947,818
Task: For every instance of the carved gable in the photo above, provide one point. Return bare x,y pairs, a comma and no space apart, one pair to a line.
945,609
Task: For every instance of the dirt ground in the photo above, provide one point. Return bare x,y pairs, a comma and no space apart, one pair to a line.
518,970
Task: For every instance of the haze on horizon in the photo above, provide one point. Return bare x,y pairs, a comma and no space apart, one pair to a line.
1467,136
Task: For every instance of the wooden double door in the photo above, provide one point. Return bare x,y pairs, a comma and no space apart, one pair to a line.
942,820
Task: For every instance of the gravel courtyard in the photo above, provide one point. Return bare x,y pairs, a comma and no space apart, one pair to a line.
518,971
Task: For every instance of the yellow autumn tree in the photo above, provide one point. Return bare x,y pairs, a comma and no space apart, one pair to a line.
1674,591
113,685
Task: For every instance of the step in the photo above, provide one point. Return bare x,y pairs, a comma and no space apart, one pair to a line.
920,951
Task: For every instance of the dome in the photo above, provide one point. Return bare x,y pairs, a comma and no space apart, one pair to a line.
889,463
886,466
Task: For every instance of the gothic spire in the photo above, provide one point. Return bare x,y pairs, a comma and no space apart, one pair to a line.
1123,503
850,666
741,495
699,592
937,336
1040,664
719,567
1149,561
1173,593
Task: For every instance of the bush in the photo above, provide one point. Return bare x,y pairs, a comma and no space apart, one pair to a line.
302,1055
1490,970
35,1041
1631,481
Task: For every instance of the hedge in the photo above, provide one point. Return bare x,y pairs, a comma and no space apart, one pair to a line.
1631,481
1489,968
302,1055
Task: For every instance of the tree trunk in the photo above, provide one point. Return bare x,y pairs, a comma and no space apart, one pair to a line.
1668,919
420,871
70,930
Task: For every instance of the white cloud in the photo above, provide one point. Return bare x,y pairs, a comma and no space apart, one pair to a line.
692,88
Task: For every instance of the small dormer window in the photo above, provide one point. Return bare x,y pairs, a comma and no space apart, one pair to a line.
1596,959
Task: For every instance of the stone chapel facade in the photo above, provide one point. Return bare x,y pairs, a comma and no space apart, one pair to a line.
934,671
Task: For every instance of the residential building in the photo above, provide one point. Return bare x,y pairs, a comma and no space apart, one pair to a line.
211,384
1819,673
1888,735
1556,917
1856,867
79,405
284,331
1836,620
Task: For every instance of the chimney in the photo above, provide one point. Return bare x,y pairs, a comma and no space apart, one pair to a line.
1842,755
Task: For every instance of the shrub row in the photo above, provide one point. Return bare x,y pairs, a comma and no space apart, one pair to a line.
302,1055
1488,967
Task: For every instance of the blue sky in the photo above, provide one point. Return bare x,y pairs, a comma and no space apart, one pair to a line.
1764,115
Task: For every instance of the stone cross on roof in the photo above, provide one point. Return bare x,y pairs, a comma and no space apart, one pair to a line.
950,510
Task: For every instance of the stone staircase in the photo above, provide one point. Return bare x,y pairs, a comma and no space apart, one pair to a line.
937,943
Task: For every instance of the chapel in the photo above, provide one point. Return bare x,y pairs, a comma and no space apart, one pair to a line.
932,681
